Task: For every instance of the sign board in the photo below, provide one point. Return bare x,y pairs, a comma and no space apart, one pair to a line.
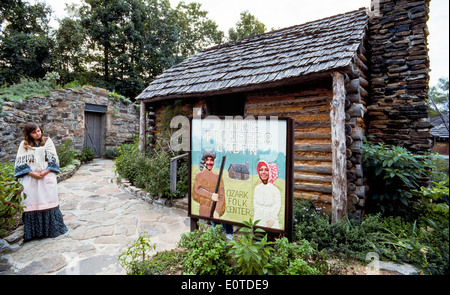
255,155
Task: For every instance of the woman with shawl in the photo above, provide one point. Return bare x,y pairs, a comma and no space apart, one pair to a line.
267,198
36,164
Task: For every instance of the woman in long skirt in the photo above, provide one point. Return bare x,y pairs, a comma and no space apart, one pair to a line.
37,164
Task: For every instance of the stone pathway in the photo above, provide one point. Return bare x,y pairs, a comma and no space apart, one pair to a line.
102,219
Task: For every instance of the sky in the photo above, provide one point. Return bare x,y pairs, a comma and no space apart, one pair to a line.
285,13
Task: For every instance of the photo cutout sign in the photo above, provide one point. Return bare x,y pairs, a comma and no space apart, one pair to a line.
240,170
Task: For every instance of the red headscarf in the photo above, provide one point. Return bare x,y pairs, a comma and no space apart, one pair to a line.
273,170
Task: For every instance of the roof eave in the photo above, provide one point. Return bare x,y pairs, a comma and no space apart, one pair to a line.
248,88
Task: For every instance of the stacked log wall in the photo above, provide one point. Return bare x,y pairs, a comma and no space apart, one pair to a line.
309,106
357,94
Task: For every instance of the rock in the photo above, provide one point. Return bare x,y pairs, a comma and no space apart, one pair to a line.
395,268
48,264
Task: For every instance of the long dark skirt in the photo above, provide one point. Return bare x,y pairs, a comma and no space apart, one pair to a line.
43,224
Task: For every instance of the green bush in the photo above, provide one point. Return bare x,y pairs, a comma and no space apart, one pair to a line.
135,259
86,155
10,197
423,242
66,153
251,250
297,259
424,245
112,153
206,252
150,171
26,89
398,170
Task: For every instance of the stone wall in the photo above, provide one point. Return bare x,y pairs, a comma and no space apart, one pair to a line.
62,117
397,113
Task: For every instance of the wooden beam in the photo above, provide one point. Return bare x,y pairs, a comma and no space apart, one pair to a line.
338,149
142,133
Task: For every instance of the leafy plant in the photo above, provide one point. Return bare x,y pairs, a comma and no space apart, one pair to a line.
135,259
26,89
295,259
66,153
86,155
10,197
150,171
206,251
251,250
398,171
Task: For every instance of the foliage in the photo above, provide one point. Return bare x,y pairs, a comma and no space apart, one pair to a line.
423,242
150,172
297,259
26,89
206,251
25,41
10,197
66,153
70,167
246,27
86,155
398,170
112,95
251,250
166,262
135,258
348,237
111,153
438,98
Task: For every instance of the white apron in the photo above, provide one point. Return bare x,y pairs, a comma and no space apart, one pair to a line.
42,194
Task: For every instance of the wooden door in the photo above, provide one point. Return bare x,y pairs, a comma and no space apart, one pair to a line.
93,132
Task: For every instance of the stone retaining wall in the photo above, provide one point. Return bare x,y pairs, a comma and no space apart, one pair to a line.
62,116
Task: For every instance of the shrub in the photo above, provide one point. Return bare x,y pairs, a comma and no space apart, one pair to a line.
206,251
295,259
135,258
86,155
26,89
251,250
151,171
66,153
112,153
423,242
398,170
426,246
10,197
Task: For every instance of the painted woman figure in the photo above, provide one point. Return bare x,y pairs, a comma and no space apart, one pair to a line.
36,164
267,198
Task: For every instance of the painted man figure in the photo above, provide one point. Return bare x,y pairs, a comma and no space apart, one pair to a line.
204,186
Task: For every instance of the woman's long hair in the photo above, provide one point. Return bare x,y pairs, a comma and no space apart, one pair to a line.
29,141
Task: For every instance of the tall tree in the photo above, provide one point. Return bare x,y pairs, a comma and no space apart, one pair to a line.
195,29
70,48
438,98
247,26
138,39
25,41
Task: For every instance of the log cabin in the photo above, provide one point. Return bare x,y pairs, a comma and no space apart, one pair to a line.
318,73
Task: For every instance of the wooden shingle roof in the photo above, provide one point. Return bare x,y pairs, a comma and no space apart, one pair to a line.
293,52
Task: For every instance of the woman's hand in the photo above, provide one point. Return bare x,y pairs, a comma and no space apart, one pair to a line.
35,175
40,174
43,173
